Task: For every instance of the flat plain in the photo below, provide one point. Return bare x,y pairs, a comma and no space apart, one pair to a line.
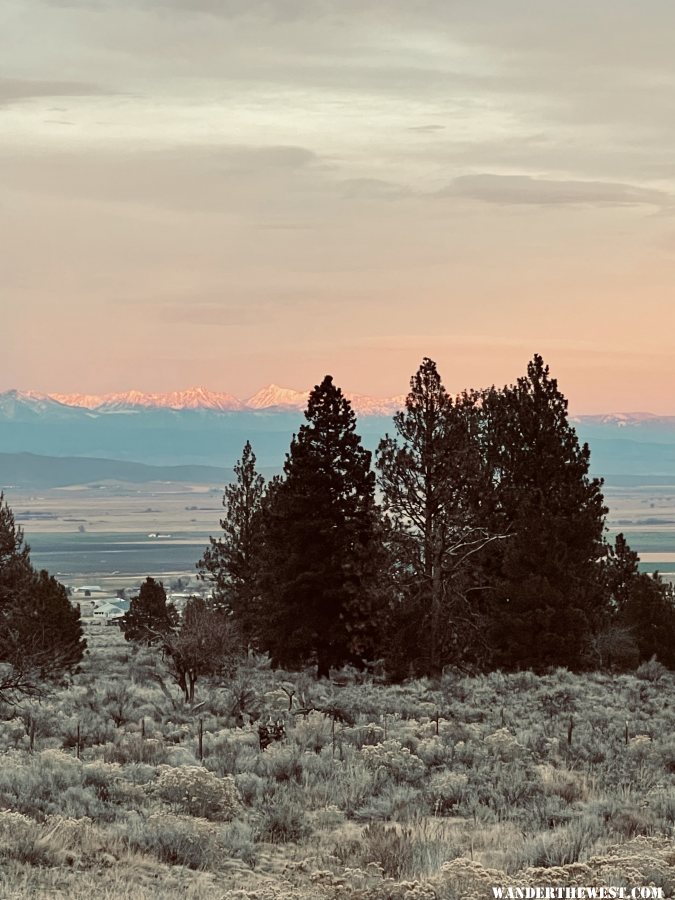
104,528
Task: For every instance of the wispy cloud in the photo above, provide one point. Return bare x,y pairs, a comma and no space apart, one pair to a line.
525,189
373,189
216,178
18,90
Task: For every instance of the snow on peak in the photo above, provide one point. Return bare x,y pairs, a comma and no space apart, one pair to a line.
288,398
372,406
85,401
621,420
14,403
192,398
273,395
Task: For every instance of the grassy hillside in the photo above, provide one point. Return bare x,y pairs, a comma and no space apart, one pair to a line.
425,790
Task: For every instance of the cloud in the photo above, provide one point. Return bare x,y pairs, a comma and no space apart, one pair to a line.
426,129
253,159
373,189
16,90
525,189
184,178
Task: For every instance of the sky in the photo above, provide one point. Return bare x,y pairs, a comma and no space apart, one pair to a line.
236,192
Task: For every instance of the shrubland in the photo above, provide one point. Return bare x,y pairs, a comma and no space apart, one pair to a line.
432,788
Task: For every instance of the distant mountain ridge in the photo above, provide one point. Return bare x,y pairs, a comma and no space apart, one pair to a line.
192,398
200,427
624,420
39,471
271,397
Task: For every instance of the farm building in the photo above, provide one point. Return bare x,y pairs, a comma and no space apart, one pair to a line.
108,612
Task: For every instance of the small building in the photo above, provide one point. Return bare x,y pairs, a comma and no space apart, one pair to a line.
110,612
109,598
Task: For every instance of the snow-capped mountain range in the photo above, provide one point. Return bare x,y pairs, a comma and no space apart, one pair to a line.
272,397
202,427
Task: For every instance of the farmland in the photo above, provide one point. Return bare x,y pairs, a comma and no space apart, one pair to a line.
116,529
101,529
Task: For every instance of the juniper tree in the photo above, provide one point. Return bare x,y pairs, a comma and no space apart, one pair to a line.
641,605
149,617
320,542
231,561
649,614
40,630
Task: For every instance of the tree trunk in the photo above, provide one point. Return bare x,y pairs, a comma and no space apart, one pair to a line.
182,684
436,607
323,666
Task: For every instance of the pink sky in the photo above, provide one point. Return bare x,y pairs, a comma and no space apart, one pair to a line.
230,194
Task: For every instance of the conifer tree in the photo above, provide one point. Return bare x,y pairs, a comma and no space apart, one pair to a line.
40,630
649,614
620,571
320,542
15,565
548,593
231,561
149,617
430,476
642,605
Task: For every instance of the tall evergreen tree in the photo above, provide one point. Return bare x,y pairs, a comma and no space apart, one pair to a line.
231,561
548,592
320,542
431,478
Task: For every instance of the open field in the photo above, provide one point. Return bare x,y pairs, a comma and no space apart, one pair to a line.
103,529
424,790
118,507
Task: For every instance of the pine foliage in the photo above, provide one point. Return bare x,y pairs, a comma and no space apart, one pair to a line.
430,477
231,561
548,593
150,617
319,545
